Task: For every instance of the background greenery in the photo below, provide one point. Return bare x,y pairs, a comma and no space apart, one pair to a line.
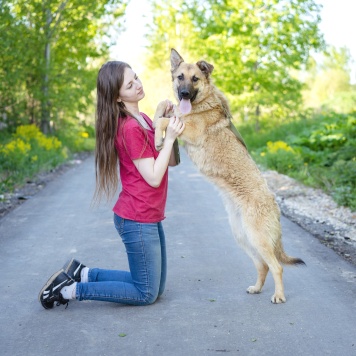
296,114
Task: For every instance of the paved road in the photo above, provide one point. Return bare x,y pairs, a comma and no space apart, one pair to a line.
204,310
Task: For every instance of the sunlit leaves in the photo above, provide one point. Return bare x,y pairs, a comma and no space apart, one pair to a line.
253,44
73,32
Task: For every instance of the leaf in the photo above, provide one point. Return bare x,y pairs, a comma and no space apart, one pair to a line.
122,335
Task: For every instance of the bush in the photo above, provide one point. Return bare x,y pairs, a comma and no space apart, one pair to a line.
319,151
77,139
281,157
27,153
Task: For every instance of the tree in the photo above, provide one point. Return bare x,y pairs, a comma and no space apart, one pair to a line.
15,49
253,44
328,83
61,38
168,30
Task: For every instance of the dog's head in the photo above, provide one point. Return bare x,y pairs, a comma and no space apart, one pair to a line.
190,81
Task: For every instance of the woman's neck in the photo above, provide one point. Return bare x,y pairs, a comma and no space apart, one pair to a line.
133,109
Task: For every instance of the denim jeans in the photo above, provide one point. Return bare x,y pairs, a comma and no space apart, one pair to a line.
144,283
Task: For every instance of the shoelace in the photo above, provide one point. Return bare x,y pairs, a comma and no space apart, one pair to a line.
62,301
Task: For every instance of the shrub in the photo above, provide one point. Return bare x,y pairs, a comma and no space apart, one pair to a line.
77,139
27,153
281,157
319,151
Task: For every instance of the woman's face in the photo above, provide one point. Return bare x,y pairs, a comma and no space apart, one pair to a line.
131,90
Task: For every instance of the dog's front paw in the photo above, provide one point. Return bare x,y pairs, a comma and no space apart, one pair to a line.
278,298
161,108
159,143
253,290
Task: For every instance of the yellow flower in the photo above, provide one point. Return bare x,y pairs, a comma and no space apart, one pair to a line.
16,146
273,147
84,134
28,131
49,143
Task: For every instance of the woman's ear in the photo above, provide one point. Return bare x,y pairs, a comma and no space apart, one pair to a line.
118,100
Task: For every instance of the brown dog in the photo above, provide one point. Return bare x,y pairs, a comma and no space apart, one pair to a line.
220,153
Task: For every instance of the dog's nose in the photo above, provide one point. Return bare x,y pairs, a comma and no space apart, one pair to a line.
185,94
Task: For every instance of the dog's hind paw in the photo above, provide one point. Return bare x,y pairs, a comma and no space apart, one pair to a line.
253,290
278,298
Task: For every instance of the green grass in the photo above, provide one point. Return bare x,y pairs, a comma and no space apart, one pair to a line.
318,151
27,152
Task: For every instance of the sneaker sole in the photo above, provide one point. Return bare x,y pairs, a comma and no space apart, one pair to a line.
51,279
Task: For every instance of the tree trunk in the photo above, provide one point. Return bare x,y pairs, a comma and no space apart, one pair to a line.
257,111
257,123
45,105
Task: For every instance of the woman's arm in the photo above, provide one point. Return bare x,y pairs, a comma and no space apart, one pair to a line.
153,170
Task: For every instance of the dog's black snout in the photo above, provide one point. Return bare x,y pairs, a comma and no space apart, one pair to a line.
185,93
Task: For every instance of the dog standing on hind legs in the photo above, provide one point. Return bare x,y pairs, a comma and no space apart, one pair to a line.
220,153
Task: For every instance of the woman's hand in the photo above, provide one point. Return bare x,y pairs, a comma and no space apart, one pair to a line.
153,170
174,129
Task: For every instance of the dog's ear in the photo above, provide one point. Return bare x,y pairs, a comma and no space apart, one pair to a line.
176,59
205,67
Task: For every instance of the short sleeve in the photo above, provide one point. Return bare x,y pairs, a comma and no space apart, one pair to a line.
136,142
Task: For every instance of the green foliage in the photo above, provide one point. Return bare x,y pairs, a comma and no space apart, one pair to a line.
319,151
328,83
27,153
50,54
77,138
253,45
47,53
169,29
281,157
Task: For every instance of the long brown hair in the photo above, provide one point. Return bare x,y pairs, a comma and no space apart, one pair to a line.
108,112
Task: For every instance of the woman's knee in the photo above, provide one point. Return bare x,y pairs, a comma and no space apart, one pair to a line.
149,298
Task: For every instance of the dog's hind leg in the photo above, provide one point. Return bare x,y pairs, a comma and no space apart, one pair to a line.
262,270
265,250
260,248
240,236
277,273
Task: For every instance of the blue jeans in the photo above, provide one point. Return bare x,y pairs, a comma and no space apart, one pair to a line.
146,251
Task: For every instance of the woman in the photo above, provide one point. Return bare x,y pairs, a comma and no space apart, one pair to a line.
124,135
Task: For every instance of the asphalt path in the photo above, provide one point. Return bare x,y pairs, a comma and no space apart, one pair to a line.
205,309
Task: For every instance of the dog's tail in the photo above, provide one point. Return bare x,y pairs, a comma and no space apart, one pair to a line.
282,257
288,260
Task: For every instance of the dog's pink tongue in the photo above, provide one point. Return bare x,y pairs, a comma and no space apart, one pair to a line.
185,106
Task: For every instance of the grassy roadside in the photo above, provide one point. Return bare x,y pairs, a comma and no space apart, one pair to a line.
27,152
319,151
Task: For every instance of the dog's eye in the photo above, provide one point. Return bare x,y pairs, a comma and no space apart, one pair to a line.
195,79
180,77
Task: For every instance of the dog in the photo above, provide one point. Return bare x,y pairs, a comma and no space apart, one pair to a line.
219,152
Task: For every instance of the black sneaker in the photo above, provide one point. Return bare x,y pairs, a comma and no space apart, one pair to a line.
73,268
50,293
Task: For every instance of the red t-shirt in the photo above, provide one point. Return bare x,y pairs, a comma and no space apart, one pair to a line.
138,201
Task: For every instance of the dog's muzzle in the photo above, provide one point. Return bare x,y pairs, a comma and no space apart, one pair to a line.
187,94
